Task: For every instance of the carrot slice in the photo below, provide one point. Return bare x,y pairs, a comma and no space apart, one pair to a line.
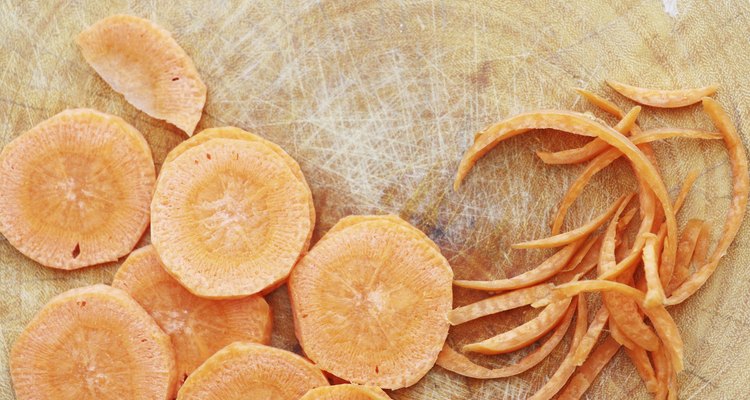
694,229
229,218
655,293
582,380
197,327
660,318
740,188
583,254
346,392
690,179
642,364
575,234
93,342
75,189
592,148
607,259
495,304
620,337
142,61
700,255
351,220
522,335
384,321
230,132
456,362
242,368
662,98
591,337
662,369
542,272
602,103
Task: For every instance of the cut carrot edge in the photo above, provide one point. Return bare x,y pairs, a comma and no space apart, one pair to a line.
456,362
495,304
662,98
591,368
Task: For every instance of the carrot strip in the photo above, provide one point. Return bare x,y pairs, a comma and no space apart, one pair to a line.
495,304
655,293
592,148
740,188
672,386
690,179
642,364
591,337
607,257
662,370
581,254
604,104
524,334
620,337
581,381
566,368
460,364
701,246
542,272
660,318
685,250
662,98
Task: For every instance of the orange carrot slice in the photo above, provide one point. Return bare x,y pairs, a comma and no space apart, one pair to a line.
619,336
582,254
607,259
690,179
522,335
592,148
662,98
591,337
542,272
250,368
575,234
740,188
229,218
694,229
383,321
582,380
602,103
75,189
700,255
197,327
346,392
92,343
495,304
352,220
655,294
662,370
456,362
142,61
642,364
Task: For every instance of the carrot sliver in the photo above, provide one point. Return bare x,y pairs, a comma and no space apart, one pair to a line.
662,98
662,370
694,229
524,334
642,364
542,272
575,234
740,188
620,337
460,364
592,148
591,337
602,103
655,293
701,246
690,179
584,377
495,304
581,254
607,258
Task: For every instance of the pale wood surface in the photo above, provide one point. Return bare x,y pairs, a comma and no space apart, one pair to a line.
377,101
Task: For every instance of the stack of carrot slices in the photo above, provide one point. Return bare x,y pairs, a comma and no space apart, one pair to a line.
635,280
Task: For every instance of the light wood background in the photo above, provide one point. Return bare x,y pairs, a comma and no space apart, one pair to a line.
378,100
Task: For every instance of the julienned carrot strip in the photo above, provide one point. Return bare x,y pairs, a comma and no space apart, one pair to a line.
660,318
662,370
581,381
522,335
642,363
619,336
740,188
572,235
701,246
592,148
567,367
495,304
591,337
580,255
542,272
662,98
460,364
607,258
655,294
604,104
672,387
690,179
685,250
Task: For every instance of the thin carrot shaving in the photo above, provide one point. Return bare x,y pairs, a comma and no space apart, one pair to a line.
575,234
672,386
701,246
604,104
460,364
591,337
662,98
655,294
662,370
685,250
639,358
740,188
690,179
495,304
607,257
584,377
580,255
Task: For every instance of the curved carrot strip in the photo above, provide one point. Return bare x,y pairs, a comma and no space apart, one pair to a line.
690,179
524,334
619,336
591,337
575,234
542,272
660,318
607,257
580,255
685,250
740,188
495,304
662,370
642,364
581,381
592,148
701,246
460,364
662,98
655,293
604,104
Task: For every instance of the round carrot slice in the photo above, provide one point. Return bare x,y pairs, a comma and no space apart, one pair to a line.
76,189
230,132
198,327
370,303
143,62
229,218
346,392
250,370
93,342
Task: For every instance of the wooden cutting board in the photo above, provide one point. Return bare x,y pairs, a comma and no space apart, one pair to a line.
378,100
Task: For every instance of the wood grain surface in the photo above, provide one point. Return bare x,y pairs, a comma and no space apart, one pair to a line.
378,100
